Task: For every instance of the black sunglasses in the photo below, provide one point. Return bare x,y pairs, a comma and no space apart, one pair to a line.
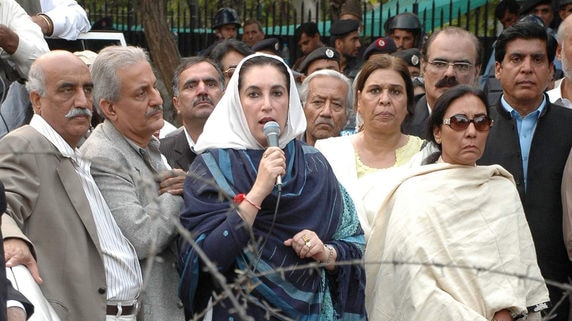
461,122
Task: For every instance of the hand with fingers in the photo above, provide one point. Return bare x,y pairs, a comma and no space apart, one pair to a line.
17,252
307,244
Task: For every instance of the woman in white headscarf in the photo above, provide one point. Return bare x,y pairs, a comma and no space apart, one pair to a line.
250,228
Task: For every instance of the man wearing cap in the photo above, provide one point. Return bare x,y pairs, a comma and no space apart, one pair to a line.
541,8
412,57
269,46
226,23
405,30
328,100
344,37
225,26
379,47
319,59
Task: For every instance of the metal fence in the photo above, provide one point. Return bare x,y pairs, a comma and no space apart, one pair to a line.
190,23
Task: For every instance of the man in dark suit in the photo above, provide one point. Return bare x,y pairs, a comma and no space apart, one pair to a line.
450,57
531,138
198,85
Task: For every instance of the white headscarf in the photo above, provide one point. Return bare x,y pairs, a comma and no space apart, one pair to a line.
226,127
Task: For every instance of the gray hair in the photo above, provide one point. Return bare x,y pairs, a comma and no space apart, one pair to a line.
187,63
304,89
106,83
36,80
562,31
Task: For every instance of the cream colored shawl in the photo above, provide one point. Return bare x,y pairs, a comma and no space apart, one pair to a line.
453,244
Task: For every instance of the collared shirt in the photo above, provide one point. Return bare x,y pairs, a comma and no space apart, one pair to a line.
555,95
189,139
122,270
526,127
151,155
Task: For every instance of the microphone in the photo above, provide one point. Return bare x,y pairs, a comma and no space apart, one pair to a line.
272,131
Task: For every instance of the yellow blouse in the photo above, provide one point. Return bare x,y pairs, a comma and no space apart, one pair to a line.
402,156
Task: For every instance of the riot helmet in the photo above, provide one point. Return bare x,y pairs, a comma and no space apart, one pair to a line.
226,16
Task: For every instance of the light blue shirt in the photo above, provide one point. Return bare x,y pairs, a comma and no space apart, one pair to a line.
525,127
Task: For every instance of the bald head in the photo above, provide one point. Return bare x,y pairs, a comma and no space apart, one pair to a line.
564,50
60,91
50,63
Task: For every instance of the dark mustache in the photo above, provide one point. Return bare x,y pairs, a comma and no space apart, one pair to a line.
447,82
78,111
153,110
202,99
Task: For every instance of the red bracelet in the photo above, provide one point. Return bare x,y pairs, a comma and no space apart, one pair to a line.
242,197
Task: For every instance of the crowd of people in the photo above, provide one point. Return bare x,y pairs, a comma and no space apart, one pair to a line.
408,179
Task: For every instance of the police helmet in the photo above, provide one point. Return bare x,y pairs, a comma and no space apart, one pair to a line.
226,16
405,20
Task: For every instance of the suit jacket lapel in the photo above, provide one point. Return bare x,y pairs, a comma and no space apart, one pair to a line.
134,158
185,155
73,186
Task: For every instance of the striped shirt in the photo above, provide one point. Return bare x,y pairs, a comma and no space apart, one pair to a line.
122,270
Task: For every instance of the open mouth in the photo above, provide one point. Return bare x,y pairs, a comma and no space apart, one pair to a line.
265,120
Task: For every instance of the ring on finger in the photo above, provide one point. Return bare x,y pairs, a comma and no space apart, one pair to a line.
309,244
305,238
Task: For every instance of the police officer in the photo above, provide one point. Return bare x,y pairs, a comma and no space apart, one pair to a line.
344,37
226,24
405,29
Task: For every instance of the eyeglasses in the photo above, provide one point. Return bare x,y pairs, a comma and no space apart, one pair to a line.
461,122
229,71
458,66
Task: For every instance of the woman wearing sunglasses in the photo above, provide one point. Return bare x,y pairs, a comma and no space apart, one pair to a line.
450,240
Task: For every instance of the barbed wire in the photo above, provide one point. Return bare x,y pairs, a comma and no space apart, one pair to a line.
238,291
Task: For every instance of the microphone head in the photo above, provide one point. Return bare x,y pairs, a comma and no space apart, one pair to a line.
271,128
272,131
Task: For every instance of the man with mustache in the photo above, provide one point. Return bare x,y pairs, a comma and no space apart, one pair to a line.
144,195
531,138
328,100
88,268
198,85
450,57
